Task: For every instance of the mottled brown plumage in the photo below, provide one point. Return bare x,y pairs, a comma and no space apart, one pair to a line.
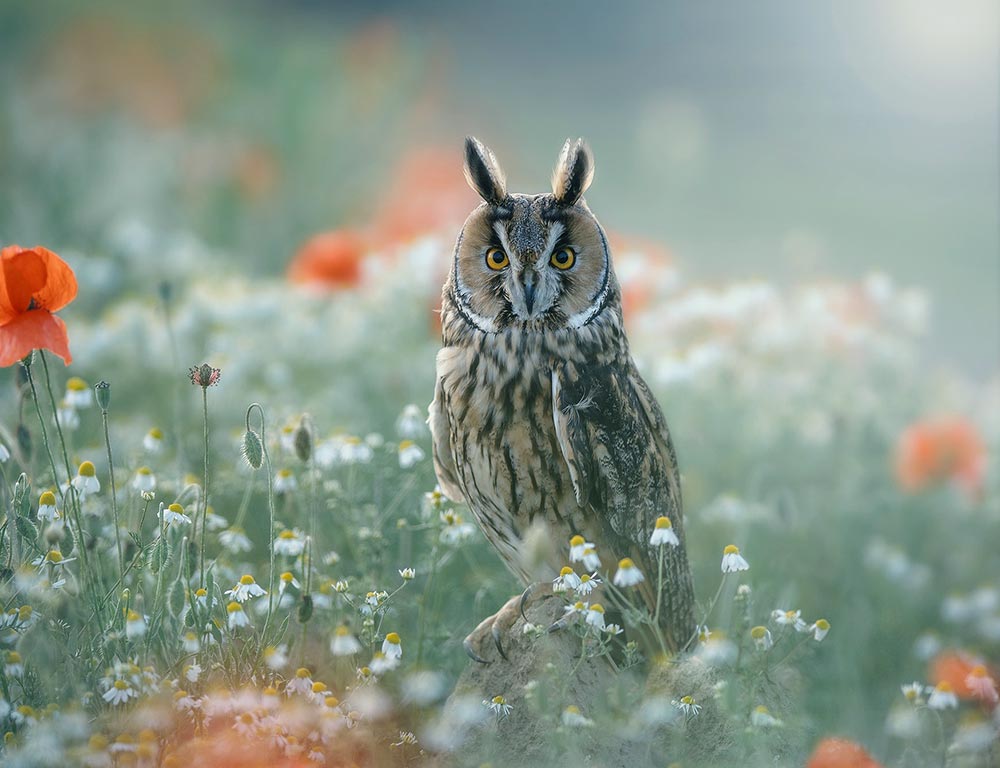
539,414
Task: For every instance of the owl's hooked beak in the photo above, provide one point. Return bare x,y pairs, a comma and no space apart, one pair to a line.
528,283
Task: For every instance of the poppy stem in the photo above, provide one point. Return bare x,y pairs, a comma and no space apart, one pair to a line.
204,492
270,509
114,496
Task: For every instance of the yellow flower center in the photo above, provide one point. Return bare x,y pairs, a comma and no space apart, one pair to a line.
404,444
200,592
342,631
392,638
625,563
121,685
287,576
270,691
246,580
499,700
54,556
578,605
234,607
13,657
944,686
979,671
180,695
133,616
731,549
284,473
76,384
577,541
332,701
687,700
47,499
584,579
597,607
156,433
663,522
758,632
87,469
822,624
566,571
98,742
302,673
572,709
24,612
176,508
286,534
144,471
762,710
318,687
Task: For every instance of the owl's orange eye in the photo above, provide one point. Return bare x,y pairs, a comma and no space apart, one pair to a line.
564,258
496,259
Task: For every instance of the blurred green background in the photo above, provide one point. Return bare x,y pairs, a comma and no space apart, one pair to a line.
777,138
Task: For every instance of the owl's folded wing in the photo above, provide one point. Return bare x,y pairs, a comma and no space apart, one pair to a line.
444,459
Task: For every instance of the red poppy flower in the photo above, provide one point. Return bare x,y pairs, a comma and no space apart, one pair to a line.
841,753
939,450
331,259
954,668
34,283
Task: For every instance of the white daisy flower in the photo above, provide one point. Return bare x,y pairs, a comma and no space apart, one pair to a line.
190,642
498,705
590,559
663,533
407,574
192,672
595,616
300,684
687,705
628,574
237,616
47,507
86,482
577,545
135,625
762,638
13,665
235,540
246,589
290,543
913,692
392,646
284,481
732,560
153,441
566,580
78,394
572,718
120,692
276,657
343,642
410,454
588,583
380,663
144,480
942,697
789,619
455,530
174,515
819,629
412,423
286,580
612,629
67,417
761,717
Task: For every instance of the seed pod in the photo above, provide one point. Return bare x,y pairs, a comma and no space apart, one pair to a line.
253,450
102,391
303,440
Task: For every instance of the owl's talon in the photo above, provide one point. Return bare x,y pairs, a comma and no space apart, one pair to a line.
467,644
540,589
495,631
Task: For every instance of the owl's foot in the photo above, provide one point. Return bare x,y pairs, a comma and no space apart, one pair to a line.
493,628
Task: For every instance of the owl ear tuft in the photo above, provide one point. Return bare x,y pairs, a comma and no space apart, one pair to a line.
483,172
573,173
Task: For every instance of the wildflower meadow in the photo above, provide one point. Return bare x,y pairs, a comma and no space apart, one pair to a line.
222,539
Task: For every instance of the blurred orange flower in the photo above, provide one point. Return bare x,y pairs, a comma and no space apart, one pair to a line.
938,450
331,259
34,283
953,667
841,753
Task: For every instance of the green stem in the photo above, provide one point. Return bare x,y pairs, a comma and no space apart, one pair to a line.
270,510
204,491
114,494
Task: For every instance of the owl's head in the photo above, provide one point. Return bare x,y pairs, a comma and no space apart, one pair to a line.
538,262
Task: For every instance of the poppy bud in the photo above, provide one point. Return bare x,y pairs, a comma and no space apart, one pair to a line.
102,391
303,440
305,609
253,450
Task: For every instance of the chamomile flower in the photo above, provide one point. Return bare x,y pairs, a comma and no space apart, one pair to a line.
276,657
284,481
628,574
412,423
942,697
237,616
392,646
67,417
819,629
47,506
174,515
687,705
213,521
407,574
144,481
120,692
380,663
732,560
190,642
761,717
86,482
575,610
913,692
246,589
595,616
981,685
455,530
13,666
789,618
235,540
135,625
612,629
498,705
286,580
290,543
588,583
762,638
153,441
577,546
590,559
663,533
78,394
410,454
343,642
572,718
300,684
566,580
